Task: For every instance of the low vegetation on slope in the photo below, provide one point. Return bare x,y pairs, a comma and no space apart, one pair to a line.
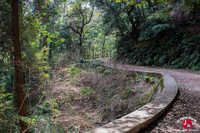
173,50
89,95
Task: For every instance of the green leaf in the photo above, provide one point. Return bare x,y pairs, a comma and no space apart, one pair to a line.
48,40
62,40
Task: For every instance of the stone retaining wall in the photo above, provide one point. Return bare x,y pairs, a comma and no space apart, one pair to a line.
138,120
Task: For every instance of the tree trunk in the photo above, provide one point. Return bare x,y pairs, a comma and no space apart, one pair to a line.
50,54
93,53
155,5
18,90
103,48
131,19
81,44
143,13
194,10
151,5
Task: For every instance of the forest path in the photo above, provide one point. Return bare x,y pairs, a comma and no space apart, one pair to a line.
187,103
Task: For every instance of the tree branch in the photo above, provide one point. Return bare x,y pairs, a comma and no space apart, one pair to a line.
76,31
87,22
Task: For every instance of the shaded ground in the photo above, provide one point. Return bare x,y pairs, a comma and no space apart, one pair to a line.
186,104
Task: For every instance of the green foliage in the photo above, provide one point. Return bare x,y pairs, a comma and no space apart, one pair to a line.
150,79
151,28
86,91
172,52
137,80
42,120
43,123
94,64
160,33
7,112
107,71
73,70
190,3
100,68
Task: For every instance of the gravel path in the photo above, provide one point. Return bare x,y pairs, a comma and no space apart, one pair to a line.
187,103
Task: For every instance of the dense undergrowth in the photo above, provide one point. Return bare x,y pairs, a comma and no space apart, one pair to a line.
88,95
79,97
173,50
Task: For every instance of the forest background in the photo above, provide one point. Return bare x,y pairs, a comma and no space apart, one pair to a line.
37,37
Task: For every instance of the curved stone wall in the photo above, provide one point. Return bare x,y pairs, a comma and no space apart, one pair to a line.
138,120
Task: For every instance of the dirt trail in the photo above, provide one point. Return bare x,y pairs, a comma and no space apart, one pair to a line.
187,103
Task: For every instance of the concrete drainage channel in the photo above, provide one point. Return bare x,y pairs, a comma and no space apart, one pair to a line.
138,120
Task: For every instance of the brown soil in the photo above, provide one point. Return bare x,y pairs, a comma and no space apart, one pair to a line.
187,103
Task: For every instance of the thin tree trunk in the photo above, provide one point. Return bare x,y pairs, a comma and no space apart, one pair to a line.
152,5
103,48
81,44
50,53
194,10
93,52
155,5
18,90
143,12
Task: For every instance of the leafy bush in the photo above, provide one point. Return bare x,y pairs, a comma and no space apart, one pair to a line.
107,71
101,68
7,112
153,27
